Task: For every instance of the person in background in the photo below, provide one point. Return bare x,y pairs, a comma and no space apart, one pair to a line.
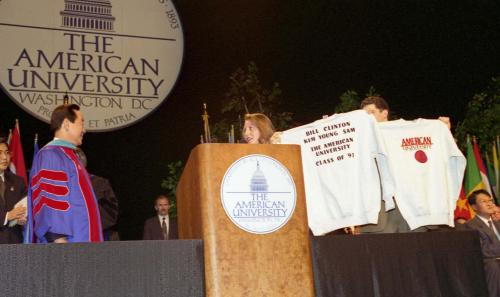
162,226
391,221
482,203
61,204
12,190
376,106
106,198
258,129
379,108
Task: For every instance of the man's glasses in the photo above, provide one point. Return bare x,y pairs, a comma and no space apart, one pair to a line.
6,153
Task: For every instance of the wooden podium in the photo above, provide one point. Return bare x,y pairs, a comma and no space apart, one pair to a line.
237,262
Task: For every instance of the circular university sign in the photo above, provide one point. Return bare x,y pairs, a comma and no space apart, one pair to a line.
258,194
117,59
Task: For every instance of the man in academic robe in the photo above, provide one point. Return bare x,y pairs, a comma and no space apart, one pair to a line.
12,190
61,203
162,226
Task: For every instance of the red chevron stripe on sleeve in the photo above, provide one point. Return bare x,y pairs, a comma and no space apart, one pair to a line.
56,190
60,176
48,187
54,204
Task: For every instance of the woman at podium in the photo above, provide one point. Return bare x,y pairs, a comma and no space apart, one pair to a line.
258,129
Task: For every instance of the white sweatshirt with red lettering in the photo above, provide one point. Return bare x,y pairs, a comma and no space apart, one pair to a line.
342,182
428,169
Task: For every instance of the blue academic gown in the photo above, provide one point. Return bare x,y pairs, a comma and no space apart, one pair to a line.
61,200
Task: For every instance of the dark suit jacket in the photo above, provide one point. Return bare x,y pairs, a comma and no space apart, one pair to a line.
152,229
106,198
15,189
490,245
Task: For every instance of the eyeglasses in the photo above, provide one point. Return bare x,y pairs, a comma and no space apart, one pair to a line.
486,201
6,153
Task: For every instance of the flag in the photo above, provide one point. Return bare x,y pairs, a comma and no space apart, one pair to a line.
463,209
27,227
472,182
35,148
481,167
473,179
491,174
17,165
496,166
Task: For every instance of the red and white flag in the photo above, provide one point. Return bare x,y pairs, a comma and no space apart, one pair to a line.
17,165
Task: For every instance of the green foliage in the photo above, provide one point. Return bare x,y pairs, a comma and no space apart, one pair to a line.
246,94
349,100
220,129
372,92
282,120
174,171
482,118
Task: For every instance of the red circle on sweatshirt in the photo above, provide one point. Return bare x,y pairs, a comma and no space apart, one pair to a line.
420,156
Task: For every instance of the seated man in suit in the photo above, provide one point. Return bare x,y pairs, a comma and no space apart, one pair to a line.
12,189
489,235
162,226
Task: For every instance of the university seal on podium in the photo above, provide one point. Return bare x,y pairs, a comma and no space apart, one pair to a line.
258,194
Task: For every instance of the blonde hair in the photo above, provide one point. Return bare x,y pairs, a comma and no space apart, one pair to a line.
264,124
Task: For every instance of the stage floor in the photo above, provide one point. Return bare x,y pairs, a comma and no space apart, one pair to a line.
382,265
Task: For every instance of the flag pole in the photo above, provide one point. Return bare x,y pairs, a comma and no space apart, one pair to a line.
206,126
232,134
9,137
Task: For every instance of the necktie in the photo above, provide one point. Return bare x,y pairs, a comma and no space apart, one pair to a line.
164,228
492,227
